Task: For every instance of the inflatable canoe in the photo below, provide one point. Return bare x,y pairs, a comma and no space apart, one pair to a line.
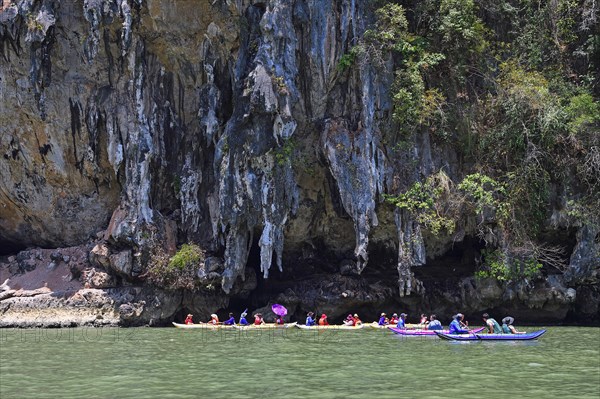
428,332
205,326
409,326
332,327
265,326
491,337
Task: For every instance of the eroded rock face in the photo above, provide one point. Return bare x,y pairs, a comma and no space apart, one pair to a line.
229,124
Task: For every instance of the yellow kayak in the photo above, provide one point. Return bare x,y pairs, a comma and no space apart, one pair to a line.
265,326
205,326
332,327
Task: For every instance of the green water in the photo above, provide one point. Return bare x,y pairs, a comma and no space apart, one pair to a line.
173,363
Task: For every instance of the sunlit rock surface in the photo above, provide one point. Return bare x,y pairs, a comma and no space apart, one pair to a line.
229,124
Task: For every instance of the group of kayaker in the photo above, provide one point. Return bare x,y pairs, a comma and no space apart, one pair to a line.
214,319
457,325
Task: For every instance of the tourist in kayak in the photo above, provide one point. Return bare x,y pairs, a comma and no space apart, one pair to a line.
423,321
383,320
309,319
394,319
349,320
492,325
434,323
243,321
214,319
258,319
279,320
456,327
402,321
508,328
323,320
230,321
357,321
188,319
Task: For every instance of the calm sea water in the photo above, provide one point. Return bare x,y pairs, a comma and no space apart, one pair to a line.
173,363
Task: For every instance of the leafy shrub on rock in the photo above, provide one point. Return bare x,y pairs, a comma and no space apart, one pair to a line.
178,271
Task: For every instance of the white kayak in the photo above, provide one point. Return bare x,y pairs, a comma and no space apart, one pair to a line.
332,327
265,326
205,326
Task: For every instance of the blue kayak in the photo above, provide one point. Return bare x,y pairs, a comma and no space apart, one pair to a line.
491,337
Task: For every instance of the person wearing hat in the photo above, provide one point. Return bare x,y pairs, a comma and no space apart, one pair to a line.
492,325
402,321
309,319
383,320
188,319
456,326
357,321
243,321
230,321
508,328
214,319
323,320
394,319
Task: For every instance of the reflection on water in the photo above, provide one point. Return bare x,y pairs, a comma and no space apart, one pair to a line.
173,363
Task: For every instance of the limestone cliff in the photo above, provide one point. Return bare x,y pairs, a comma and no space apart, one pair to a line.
230,123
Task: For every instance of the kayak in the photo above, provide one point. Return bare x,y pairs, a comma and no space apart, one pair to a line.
265,326
409,326
491,337
205,326
427,332
332,327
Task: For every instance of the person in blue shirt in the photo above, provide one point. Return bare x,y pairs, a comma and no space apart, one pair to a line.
456,325
230,321
383,320
243,321
402,321
434,323
309,319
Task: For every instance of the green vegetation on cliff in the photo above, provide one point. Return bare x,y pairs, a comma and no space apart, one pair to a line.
178,271
512,86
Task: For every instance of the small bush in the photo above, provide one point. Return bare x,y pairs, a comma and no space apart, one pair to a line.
177,272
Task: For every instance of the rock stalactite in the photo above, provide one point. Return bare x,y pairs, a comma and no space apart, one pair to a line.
237,125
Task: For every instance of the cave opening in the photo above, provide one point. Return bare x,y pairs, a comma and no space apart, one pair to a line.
10,247
458,262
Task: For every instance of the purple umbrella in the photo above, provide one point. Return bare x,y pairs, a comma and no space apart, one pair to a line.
279,310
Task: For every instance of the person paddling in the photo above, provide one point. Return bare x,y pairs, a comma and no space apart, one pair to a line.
394,319
188,319
258,319
243,321
456,326
492,325
349,320
323,320
434,323
357,321
230,321
309,319
383,320
214,319
402,321
508,328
